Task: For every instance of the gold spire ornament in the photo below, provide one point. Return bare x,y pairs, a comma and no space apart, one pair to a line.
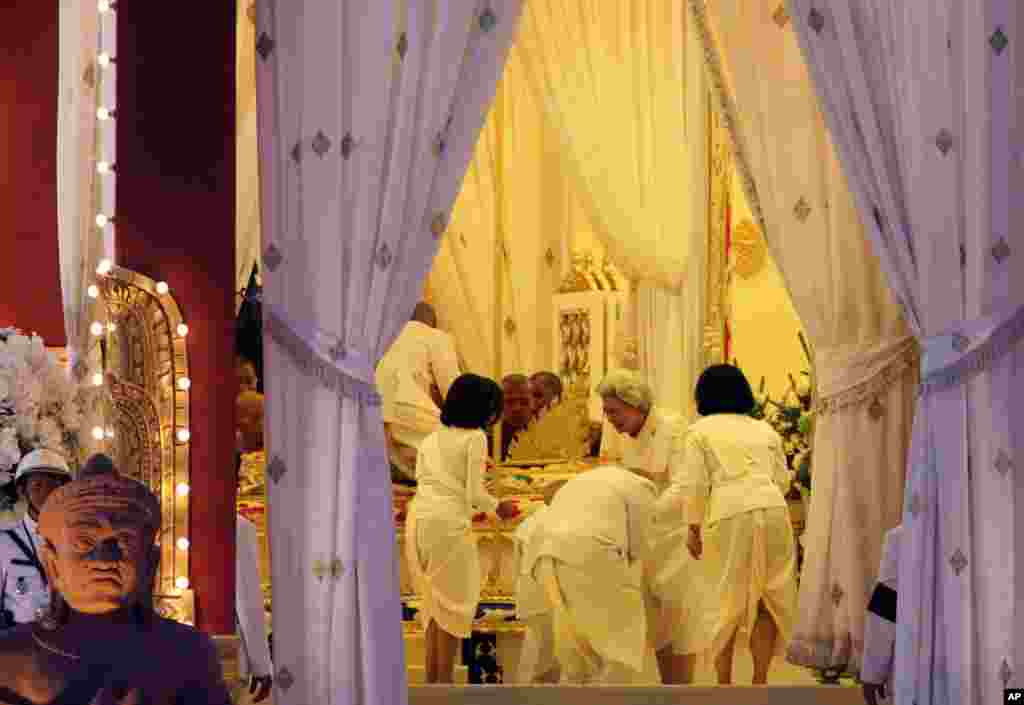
561,435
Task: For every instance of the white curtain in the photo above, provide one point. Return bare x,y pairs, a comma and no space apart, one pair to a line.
80,241
368,114
864,359
247,175
925,104
622,84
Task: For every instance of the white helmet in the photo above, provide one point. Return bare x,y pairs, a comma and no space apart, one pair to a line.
43,460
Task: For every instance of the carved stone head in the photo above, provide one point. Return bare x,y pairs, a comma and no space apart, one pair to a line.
98,536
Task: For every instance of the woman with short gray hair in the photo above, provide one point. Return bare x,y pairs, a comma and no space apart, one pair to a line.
681,613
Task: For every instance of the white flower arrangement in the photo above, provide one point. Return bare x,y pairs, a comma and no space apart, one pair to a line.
41,406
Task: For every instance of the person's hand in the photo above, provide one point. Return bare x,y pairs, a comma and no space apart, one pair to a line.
694,543
507,509
873,693
259,687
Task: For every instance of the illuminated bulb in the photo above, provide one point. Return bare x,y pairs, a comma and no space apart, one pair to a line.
183,544
104,59
183,435
103,167
97,433
110,433
105,266
105,5
162,288
111,327
96,329
103,114
97,379
182,330
182,489
184,383
93,291
102,220
181,583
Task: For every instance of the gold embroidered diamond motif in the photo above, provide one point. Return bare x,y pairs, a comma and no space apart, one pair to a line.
265,46
961,343
487,20
384,256
958,561
285,679
510,327
1005,673
402,47
297,152
780,16
837,594
438,225
816,20
272,257
1003,463
321,144
348,143
801,210
876,410
998,41
944,141
1001,250
549,257
440,144
276,469
916,506
251,12
89,75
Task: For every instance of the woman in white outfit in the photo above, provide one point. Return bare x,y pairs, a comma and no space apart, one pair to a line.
731,492
441,548
680,612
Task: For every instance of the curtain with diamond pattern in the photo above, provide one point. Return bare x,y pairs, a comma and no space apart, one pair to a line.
369,111
925,104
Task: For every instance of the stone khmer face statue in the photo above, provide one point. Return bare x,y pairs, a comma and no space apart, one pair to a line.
101,641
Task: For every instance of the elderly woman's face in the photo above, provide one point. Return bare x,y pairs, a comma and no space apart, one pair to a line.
102,562
626,419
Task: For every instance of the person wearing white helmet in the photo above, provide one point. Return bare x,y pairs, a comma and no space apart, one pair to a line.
24,590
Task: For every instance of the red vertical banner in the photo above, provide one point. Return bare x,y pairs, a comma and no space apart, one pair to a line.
726,333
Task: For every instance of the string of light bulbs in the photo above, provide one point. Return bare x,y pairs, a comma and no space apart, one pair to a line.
105,200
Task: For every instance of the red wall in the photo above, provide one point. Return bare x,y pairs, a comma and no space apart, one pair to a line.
29,265
175,222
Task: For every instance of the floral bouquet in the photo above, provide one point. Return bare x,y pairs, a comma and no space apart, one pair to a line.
41,406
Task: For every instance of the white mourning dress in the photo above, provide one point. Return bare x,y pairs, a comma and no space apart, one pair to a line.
537,655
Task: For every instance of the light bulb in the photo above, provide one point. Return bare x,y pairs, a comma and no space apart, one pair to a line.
103,114
93,291
183,544
162,288
184,383
104,59
97,433
111,327
105,5
97,379
181,583
103,167
110,433
182,489
104,267
102,220
182,330
183,435
96,329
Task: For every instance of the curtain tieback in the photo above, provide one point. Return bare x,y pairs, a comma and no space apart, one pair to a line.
321,355
852,376
968,348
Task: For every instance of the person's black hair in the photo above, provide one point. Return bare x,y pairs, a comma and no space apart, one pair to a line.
549,380
724,389
473,402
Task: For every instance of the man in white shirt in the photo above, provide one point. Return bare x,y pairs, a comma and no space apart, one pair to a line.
880,622
249,612
413,379
587,553
24,590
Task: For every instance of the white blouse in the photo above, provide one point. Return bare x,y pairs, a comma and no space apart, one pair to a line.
450,474
732,464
